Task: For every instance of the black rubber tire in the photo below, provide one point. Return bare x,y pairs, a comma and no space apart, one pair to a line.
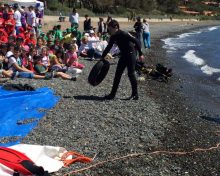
98,72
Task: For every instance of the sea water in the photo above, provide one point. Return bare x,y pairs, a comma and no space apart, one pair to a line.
196,55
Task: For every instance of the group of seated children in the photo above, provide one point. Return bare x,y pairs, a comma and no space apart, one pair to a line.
28,53
55,54
23,61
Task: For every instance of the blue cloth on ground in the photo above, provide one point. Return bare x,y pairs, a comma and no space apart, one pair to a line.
18,106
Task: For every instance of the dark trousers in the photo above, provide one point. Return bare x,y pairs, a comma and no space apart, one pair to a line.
92,53
128,61
138,36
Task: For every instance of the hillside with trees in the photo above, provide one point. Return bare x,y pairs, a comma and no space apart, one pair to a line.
118,6
137,6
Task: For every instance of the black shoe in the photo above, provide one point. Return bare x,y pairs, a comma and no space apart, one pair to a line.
14,74
48,75
109,97
133,97
73,79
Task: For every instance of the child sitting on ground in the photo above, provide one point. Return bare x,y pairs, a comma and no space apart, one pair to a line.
45,57
54,73
16,69
71,58
86,49
59,60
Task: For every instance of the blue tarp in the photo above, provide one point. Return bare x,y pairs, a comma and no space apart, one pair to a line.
21,106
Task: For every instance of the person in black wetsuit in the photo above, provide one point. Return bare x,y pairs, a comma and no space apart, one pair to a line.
126,44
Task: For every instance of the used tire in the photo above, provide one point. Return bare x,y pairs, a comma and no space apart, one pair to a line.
98,72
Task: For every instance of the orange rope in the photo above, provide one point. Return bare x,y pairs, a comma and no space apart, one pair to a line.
141,154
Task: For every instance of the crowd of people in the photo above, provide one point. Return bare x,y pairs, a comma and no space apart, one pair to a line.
27,52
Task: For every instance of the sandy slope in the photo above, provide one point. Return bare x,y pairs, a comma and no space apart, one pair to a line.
50,21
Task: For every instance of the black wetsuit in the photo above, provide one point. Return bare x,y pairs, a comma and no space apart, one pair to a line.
126,44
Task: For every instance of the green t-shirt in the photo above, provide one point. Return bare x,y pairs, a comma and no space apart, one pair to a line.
59,35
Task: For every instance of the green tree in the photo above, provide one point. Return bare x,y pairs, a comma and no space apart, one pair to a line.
169,6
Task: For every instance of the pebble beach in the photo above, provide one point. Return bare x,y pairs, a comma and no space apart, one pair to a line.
162,126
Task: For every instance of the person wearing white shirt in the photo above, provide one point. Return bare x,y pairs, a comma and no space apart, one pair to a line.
17,18
74,18
101,26
93,37
31,19
146,34
87,49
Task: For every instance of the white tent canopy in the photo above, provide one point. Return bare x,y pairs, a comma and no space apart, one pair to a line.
25,3
40,5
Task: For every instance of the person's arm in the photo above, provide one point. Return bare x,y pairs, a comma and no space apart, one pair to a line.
66,59
60,35
109,46
70,18
138,45
79,35
21,69
73,59
7,73
136,42
144,27
3,40
55,60
89,23
82,49
135,25
77,17
48,63
15,16
84,25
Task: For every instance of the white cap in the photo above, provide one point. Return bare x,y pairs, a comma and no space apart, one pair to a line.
9,53
91,32
86,34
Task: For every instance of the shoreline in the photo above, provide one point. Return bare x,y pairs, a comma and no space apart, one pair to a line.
121,19
188,131
51,21
161,120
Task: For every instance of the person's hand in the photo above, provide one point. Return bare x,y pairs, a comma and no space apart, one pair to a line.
141,58
102,58
84,53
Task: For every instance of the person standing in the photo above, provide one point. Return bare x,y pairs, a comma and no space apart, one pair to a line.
146,34
17,18
10,24
138,28
101,26
87,24
126,45
23,17
2,21
31,19
74,18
